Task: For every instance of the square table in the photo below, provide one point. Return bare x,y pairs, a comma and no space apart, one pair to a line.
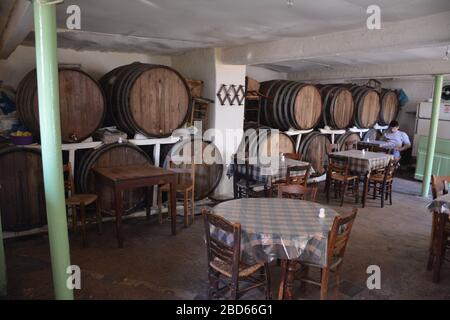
136,176
267,174
364,162
386,145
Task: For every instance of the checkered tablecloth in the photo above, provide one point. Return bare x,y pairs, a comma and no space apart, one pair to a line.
363,162
440,204
278,228
378,143
268,173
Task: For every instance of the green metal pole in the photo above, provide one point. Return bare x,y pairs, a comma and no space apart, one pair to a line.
2,264
50,129
438,80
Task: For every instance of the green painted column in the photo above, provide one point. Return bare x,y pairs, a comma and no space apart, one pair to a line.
3,281
438,80
50,129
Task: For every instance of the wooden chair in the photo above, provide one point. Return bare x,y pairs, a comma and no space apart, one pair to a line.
185,187
337,243
439,186
298,179
381,181
338,176
297,191
224,264
81,201
244,185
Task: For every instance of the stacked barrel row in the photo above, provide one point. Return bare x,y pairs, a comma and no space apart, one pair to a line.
290,104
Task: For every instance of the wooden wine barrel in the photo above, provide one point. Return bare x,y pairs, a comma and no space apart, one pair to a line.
372,134
106,156
22,198
153,100
208,163
345,138
314,147
367,104
81,101
338,106
262,141
389,107
290,104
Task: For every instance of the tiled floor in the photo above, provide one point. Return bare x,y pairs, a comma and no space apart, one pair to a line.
155,265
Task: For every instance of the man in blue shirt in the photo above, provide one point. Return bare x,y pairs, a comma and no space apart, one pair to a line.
399,139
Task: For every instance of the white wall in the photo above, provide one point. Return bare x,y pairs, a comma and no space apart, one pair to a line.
206,65
96,63
262,74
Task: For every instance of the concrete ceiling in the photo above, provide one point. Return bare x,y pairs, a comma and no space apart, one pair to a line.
360,58
174,26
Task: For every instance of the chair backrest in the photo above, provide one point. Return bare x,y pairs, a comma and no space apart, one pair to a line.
69,184
389,170
293,156
227,250
297,191
339,235
338,164
332,148
439,185
298,179
185,175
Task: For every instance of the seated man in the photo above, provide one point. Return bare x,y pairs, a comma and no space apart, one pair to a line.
399,139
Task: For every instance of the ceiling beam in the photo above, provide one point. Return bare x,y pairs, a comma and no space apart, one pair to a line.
19,24
413,33
429,67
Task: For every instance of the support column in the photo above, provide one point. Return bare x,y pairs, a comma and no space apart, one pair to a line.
438,80
3,282
50,129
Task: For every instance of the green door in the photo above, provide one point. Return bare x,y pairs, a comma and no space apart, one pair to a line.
441,163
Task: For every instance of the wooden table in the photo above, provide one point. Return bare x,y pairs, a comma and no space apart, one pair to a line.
284,229
440,208
137,176
363,163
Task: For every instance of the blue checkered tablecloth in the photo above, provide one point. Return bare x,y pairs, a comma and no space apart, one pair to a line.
278,228
268,174
364,162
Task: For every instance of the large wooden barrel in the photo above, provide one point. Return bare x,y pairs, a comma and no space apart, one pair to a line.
106,156
372,134
290,104
153,100
313,148
22,198
261,142
389,107
208,163
81,101
367,102
346,138
338,106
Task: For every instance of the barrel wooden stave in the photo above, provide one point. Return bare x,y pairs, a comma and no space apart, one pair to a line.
347,137
338,106
22,199
81,101
313,148
208,164
107,156
389,107
290,104
150,99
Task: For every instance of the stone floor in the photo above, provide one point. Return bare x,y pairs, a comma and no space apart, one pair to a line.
155,265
